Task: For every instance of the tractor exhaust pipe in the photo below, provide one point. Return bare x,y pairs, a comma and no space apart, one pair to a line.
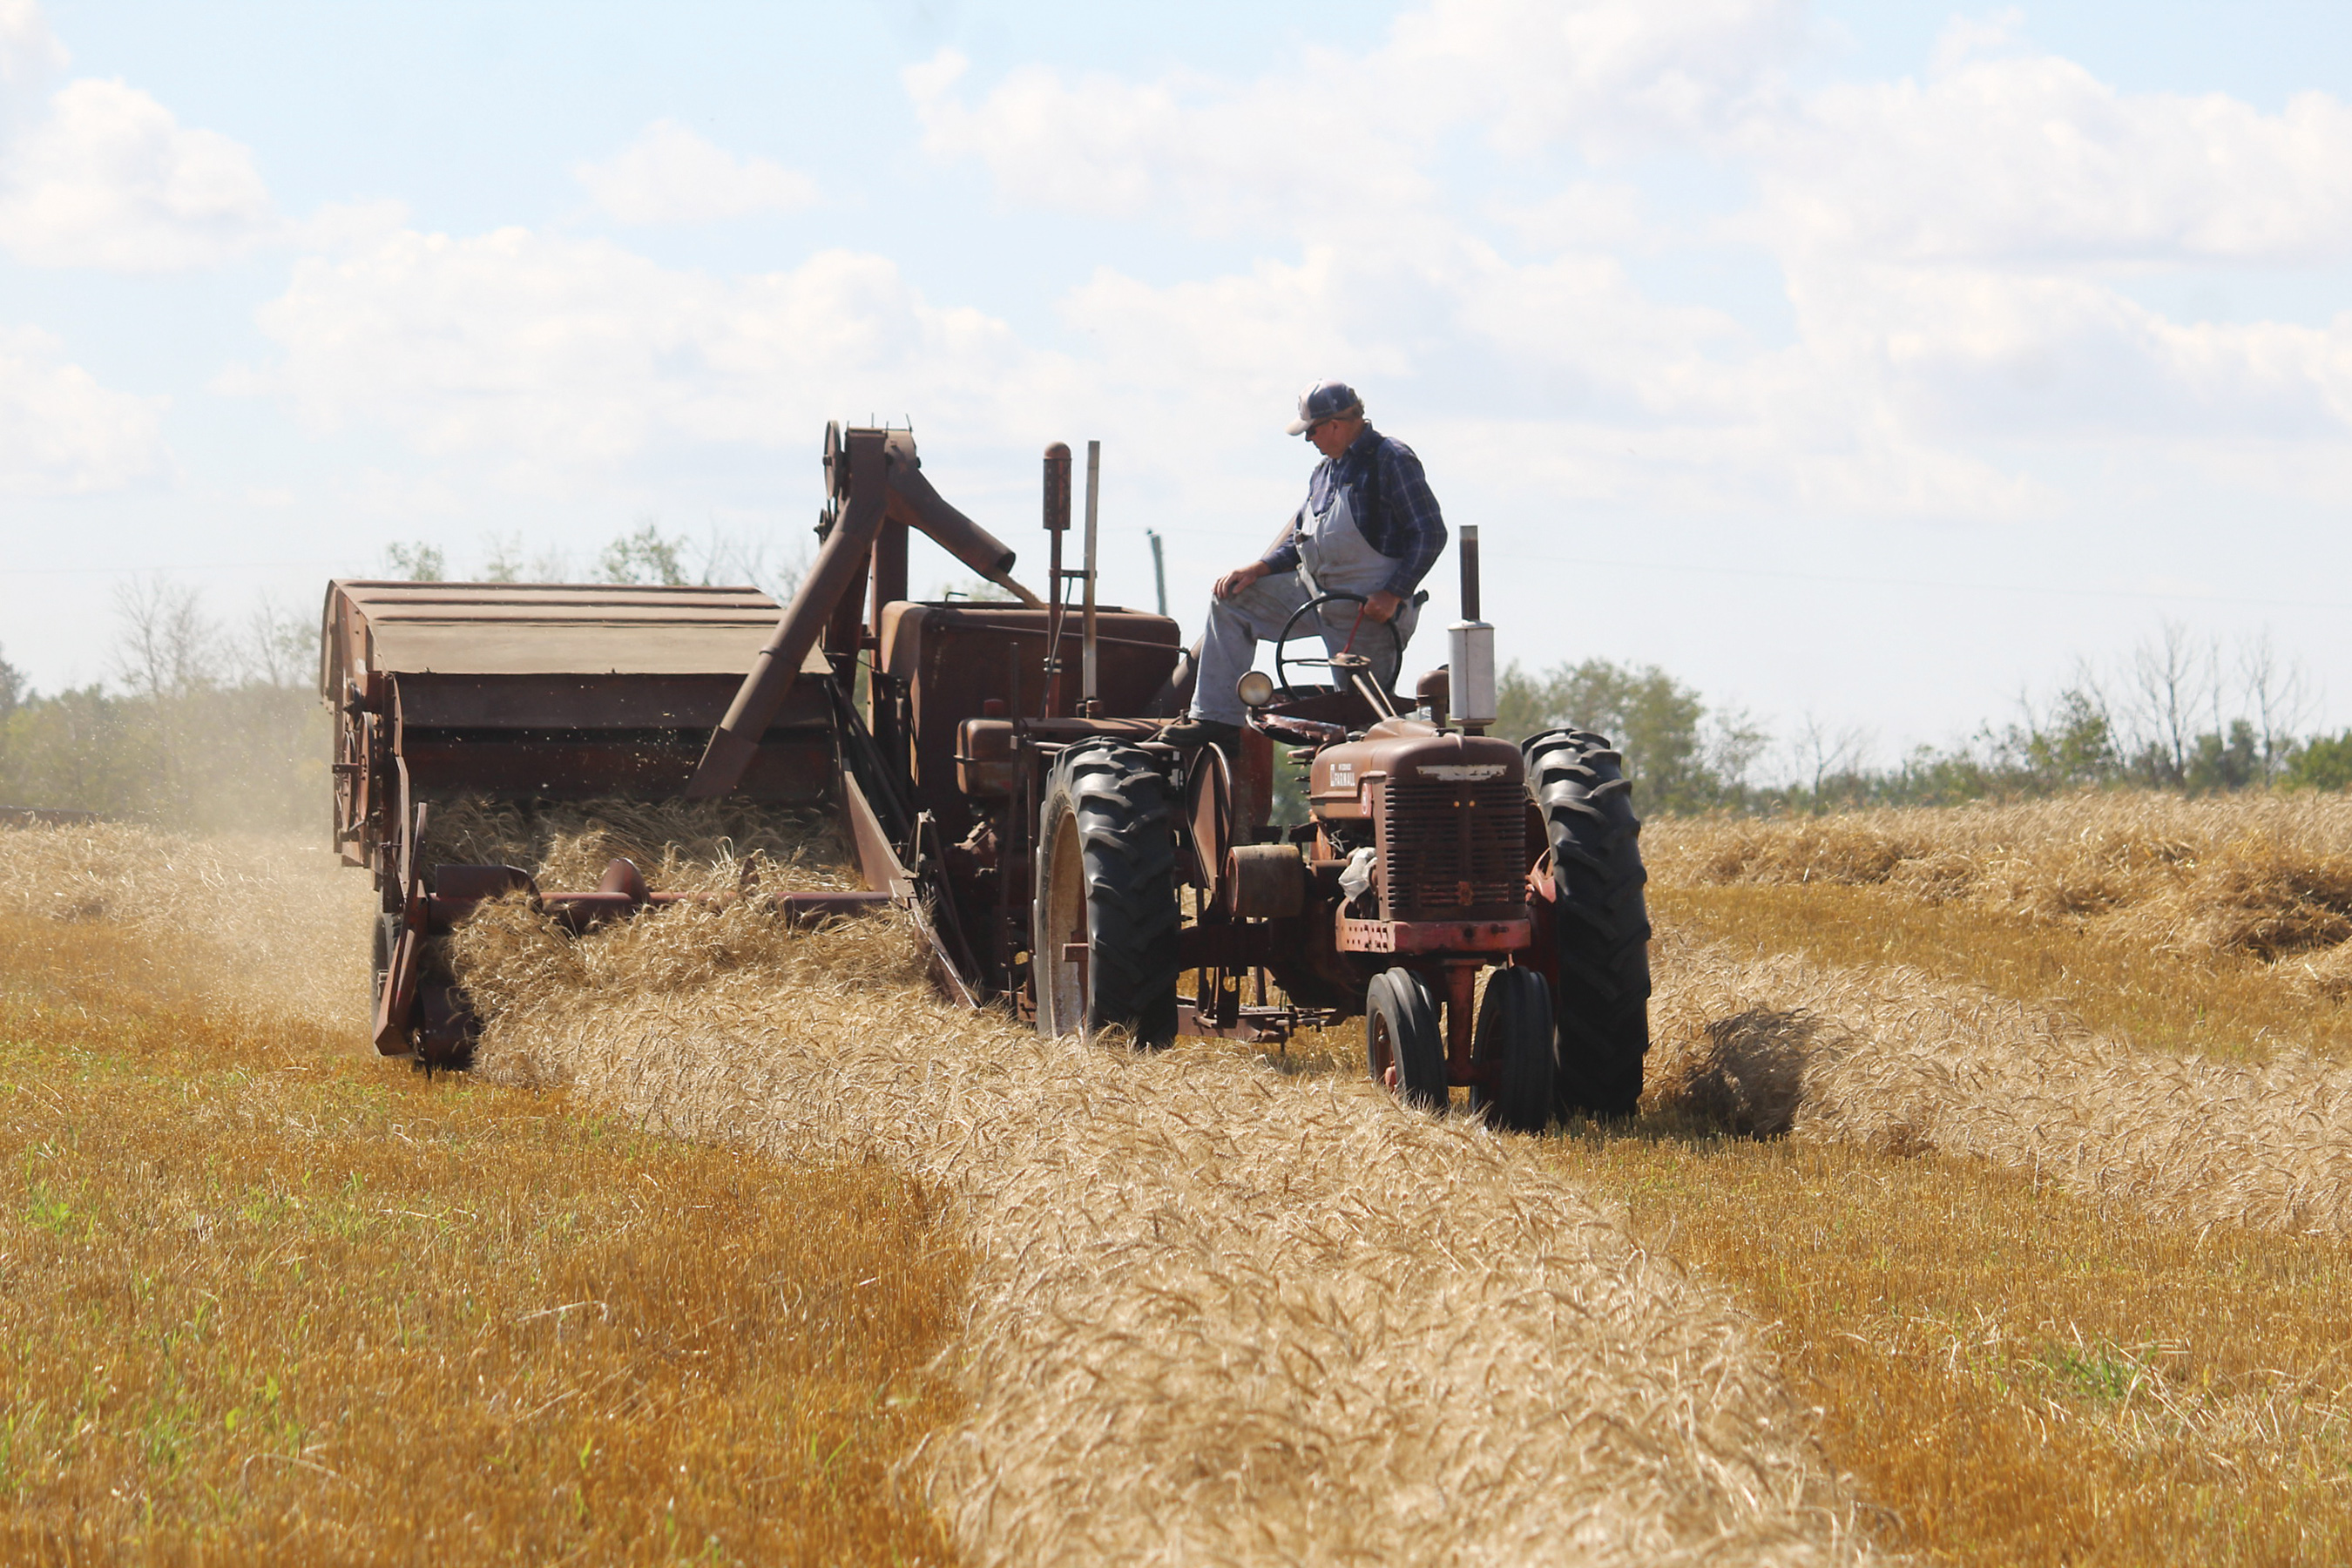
1089,683
1471,644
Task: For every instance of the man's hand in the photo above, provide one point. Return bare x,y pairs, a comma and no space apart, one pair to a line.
1240,577
1379,604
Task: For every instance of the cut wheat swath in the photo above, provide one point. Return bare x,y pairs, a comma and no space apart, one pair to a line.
2270,875
1893,1057
1219,1317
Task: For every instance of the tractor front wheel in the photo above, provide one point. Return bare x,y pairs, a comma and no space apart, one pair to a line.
1515,1036
1104,918
1403,1047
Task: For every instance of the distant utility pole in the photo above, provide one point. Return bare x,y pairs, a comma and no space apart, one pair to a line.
1159,569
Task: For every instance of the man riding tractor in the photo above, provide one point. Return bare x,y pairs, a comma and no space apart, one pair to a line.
1370,529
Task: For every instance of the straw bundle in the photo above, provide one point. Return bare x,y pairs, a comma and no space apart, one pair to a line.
680,846
2270,875
1219,1317
1893,1058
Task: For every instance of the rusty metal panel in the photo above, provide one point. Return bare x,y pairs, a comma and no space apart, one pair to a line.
527,628
565,701
1433,936
789,766
955,656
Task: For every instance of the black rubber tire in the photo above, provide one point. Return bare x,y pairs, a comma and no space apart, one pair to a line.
1601,922
387,932
1515,1034
1107,804
1401,1028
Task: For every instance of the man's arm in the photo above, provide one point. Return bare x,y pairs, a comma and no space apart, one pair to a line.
1284,556
1419,535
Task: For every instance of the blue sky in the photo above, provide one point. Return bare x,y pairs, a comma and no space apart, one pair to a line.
1861,363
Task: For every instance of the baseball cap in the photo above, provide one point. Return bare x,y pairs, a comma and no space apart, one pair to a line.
1324,400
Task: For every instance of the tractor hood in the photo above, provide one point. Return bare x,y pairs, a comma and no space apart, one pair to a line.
1408,750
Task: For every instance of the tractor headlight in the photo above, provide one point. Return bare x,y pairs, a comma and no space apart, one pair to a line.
1255,688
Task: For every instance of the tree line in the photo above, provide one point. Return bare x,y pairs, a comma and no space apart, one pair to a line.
2178,713
216,725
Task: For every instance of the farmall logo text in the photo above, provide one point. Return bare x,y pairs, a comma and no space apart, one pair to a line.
1460,773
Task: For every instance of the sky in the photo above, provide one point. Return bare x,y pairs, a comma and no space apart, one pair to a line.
1864,365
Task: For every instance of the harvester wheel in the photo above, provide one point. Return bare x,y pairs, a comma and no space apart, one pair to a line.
1600,920
1106,880
1515,1035
387,932
1403,1047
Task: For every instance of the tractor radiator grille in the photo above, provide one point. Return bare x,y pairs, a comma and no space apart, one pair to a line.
1454,846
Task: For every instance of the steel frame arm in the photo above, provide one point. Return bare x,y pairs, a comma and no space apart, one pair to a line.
839,567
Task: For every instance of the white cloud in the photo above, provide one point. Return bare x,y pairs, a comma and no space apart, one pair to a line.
1335,135
669,175
29,52
562,358
2032,159
1217,156
109,179
62,433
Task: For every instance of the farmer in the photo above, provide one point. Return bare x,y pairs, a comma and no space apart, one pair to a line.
1370,527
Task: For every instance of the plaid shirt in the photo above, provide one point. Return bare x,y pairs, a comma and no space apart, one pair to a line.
1402,521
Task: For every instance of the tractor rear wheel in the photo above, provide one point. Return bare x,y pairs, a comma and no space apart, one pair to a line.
1403,1047
1106,886
1515,1035
1601,922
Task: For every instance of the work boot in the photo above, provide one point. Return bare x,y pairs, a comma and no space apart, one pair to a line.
1194,732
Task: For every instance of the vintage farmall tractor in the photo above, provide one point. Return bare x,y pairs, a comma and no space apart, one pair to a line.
1000,777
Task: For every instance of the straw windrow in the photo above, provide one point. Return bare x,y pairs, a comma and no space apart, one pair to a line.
2268,875
1219,1316
1894,1058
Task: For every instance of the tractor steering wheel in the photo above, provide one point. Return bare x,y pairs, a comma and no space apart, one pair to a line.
1364,638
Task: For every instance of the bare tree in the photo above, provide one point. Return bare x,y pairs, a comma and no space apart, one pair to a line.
1735,740
1828,755
279,648
727,557
2172,682
2280,696
170,646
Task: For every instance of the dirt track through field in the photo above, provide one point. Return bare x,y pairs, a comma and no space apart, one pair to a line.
1891,1058
1220,1316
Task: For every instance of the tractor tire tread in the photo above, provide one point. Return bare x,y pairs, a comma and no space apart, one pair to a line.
1601,919
1120,801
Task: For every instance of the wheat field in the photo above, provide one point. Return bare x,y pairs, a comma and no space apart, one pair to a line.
1901,1257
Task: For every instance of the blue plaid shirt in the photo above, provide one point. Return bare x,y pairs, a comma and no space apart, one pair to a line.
1401,519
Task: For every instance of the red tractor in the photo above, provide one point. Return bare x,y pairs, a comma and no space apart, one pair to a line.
1000,776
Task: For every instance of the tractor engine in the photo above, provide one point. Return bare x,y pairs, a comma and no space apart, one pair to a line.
1432,823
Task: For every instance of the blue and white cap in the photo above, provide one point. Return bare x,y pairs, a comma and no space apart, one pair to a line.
1324,400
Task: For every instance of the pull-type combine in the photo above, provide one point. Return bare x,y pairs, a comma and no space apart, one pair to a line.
995,767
